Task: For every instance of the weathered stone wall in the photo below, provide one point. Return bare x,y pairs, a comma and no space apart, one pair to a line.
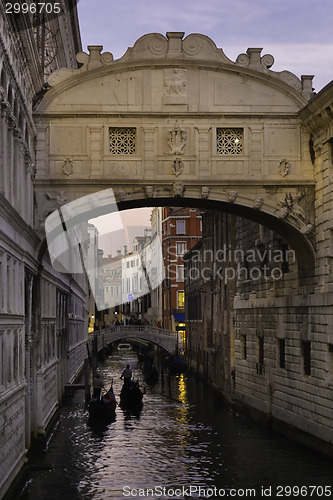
29,382
298,392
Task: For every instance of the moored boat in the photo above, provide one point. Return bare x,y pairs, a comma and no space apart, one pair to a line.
124,347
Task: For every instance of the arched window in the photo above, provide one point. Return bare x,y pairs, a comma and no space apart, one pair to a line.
3,80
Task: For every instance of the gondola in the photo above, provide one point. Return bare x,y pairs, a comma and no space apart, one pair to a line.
131,396
104,408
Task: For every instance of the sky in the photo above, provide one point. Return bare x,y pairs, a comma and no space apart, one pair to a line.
297,33
114,233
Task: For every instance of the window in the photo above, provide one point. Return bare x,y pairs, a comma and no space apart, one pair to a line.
243,347
260,364
122,140
180,227
306,352
261,350
282,353
229,141
180,299
180,273
181,248
330,360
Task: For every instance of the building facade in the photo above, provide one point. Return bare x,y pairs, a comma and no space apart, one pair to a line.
181,229
269,360
43,319
209,302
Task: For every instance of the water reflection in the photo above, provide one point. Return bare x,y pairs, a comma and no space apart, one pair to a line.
181,438
182,415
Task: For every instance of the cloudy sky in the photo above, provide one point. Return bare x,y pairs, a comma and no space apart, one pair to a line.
298,33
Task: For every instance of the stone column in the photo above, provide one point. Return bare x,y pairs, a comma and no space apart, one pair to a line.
95,151
202,150
256,140
149,152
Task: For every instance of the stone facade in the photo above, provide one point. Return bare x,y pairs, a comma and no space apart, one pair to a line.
42,313
257,331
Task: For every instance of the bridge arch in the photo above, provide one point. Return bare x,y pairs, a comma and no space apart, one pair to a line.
166,339
297,240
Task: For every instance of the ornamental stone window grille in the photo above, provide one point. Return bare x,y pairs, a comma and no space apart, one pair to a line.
229,141
122,140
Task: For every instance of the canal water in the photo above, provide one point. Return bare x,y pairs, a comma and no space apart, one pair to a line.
183,444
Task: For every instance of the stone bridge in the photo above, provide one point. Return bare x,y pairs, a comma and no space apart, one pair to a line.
166,339
176,122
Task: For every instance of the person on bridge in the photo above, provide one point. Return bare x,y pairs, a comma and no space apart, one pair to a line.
127,375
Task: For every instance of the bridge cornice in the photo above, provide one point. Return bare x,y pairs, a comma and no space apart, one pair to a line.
317,116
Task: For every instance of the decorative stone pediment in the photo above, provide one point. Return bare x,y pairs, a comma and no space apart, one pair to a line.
175,48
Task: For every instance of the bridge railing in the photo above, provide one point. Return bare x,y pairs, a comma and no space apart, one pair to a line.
106,335
134,328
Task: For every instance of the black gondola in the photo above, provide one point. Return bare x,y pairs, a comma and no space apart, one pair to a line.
104,408
131,396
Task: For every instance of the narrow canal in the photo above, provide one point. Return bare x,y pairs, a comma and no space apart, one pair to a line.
182,438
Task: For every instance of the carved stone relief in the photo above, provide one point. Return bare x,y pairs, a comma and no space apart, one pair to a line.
258,203
232,195
178,189
175,82
284,167
177,167
290,206
59,199
205,192
68,167
177,142
121,195
149,190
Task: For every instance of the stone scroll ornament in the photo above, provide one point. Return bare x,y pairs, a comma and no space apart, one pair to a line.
177,142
